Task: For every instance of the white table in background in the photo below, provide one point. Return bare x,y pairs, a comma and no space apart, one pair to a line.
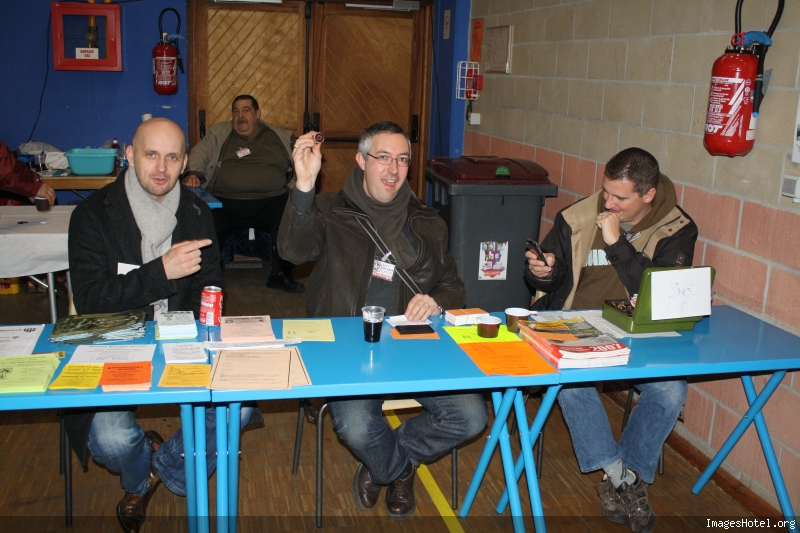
39,246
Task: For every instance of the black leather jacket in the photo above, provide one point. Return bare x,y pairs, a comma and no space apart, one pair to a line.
331,235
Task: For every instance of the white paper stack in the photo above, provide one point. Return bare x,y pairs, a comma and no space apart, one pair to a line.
184,352
176,325
463,317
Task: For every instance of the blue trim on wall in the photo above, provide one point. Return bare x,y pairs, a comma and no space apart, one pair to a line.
447,113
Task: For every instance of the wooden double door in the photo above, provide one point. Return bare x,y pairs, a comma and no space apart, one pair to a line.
364,66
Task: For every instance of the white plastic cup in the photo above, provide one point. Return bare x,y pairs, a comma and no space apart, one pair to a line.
373,322
513,316
488,326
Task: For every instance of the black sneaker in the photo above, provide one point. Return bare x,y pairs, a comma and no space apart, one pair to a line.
632,500
285,282
611,507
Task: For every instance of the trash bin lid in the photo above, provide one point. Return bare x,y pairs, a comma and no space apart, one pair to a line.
488,169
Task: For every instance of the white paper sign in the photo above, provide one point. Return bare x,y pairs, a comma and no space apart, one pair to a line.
796,135
681,293
87,53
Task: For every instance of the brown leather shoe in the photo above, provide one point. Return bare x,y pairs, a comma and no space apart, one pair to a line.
154,439
365,491
132,508
400,499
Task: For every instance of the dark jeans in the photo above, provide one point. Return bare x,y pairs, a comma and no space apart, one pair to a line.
445,422
650,424
263,214
117,441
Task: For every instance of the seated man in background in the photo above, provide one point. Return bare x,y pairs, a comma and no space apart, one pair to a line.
142,243
332,229
598,250
17,178
247,165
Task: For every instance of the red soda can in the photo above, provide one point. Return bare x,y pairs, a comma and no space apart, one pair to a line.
210,306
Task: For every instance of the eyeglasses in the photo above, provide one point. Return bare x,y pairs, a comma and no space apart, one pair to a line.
402,161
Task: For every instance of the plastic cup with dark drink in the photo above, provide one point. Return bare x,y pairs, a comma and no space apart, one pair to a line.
373,322
513,316
42,204
40,164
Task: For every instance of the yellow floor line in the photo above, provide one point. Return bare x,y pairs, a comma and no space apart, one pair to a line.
442,505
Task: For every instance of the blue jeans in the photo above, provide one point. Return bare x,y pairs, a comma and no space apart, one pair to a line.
445,422
116,440
649,425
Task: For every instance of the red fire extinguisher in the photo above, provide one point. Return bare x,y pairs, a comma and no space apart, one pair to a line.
737,89
167,59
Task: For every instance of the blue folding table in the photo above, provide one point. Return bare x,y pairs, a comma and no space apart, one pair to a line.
188,398
352,367
728,342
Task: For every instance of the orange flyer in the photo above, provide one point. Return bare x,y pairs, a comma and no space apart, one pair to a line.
121,376
507,358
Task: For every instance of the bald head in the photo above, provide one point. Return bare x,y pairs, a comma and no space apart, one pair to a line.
159,127
158,156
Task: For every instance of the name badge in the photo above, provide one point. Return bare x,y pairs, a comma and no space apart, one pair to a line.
241,152
382,270
124,268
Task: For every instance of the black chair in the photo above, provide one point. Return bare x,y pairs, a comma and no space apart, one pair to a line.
307,410
65,468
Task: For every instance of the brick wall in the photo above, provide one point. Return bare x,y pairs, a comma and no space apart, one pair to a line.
589,78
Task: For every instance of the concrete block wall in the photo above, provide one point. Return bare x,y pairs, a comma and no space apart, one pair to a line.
592,77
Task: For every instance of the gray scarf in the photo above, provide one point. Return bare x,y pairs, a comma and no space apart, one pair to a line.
389,218
156,222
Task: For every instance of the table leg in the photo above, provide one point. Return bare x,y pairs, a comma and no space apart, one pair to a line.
501,414
201,467
221,412
187,428
548,400
71,311
508,468
754,414
234,432
51,292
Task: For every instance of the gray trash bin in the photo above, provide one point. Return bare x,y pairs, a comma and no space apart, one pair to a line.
491,206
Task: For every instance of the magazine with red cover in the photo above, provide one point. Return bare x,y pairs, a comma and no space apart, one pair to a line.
573,343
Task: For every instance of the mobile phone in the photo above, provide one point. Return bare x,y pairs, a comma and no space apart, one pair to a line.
414,330
533,246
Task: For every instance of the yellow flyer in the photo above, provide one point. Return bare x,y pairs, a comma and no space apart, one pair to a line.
78,377
183,375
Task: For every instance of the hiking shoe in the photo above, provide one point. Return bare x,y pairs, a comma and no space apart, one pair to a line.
632,501
611,507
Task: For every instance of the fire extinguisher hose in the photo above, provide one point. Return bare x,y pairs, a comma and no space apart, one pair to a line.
760,46
173,38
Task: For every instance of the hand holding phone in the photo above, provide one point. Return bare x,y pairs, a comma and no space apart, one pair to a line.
533,246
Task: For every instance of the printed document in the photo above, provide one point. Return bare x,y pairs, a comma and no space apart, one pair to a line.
184,352
309,330
251,369
125,353
19,340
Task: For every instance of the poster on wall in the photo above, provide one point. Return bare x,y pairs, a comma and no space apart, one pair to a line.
493,260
